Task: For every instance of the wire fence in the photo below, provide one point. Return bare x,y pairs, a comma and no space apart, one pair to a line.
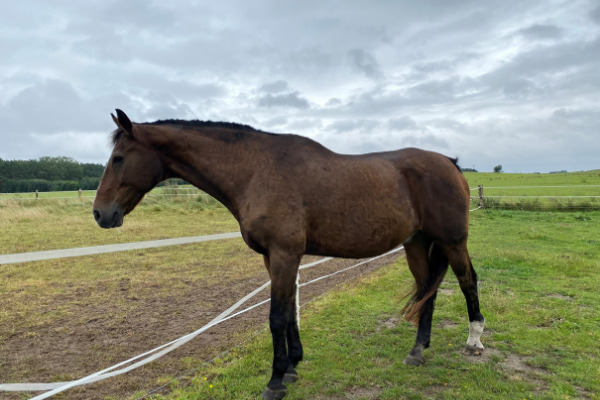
538,198
90,194
528,198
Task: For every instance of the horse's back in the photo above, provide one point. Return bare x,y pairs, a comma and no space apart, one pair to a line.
361,205
350,205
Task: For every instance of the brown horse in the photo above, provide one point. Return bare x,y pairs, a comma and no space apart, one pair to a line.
292,196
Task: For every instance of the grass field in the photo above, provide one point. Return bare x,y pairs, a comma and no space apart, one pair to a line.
539,273
561,191
35,225
540,279
64,318
568,191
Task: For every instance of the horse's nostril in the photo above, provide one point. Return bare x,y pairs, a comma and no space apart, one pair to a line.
96,215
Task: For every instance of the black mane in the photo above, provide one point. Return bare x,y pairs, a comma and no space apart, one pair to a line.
201,124
190,124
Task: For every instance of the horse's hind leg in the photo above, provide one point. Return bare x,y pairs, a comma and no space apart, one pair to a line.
428,266
467,279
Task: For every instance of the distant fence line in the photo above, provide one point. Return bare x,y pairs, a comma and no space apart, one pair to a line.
485,201
83,194
536,202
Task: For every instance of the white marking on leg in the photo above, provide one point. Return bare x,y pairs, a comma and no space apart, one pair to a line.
298,300
475,331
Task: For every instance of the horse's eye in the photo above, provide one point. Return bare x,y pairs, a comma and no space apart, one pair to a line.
117,160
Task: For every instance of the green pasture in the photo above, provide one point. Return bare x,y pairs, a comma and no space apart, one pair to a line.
539,274
166,190
48,224
516,179
566,191
539,282
97,310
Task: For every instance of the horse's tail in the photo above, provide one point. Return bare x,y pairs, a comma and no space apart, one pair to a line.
455,162
437,263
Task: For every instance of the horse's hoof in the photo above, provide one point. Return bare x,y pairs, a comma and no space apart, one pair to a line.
274,394
473,351
290,375
413,360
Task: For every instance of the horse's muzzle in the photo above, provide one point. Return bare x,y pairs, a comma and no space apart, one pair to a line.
109,218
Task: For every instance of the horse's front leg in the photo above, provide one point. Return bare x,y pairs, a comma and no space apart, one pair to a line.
283,268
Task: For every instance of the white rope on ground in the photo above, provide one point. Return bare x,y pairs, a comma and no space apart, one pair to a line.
109,248
475,209
220,355
57,387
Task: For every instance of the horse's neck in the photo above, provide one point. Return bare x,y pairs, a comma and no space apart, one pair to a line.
207,163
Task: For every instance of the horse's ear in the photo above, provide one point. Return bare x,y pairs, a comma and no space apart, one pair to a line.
123,121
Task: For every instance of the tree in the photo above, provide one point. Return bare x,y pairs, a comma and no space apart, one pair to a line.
498,168
48,173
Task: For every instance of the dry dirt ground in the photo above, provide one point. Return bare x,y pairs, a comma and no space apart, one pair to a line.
65,352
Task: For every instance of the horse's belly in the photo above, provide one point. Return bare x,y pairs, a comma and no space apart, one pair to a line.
357,239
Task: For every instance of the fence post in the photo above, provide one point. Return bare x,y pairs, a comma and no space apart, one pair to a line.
481,200
79,193
37,194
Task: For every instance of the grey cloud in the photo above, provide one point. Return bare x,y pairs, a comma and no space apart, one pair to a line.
276,122
52,106
427,141
446,75
435,90
595,15
166,106
365,63
347,126
47,106
290,100
183,90
402,123
333,102
553,67
305,125
539,31
518,87
138,14
275,87
434,66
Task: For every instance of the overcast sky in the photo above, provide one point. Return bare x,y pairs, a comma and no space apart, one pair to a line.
515,83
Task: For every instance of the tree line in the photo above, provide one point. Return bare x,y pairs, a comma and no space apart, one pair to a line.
48,174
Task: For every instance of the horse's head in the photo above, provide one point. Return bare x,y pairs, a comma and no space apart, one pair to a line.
133,169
